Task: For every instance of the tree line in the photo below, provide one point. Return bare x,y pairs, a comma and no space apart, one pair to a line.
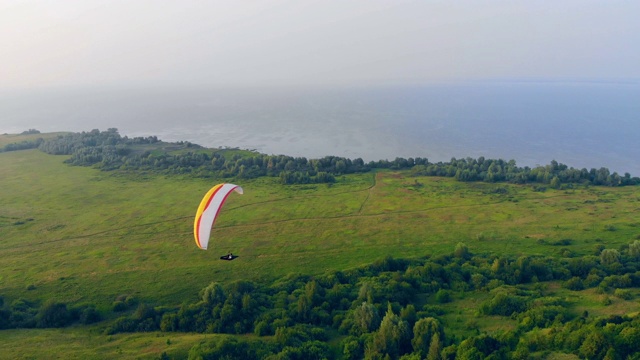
22,145
107,150
377,310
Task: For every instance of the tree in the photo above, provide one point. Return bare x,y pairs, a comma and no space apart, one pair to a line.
303,308
478,280
53,314
597,249
498,266
609,256
461,251
393,337
522,351
366,292
409,315
423,333
352,348
575,284
223,348
466,351
503,304
443,296
634,249
435,348
366,318
89,315
144,311
213,294
314,292
628,341
594,346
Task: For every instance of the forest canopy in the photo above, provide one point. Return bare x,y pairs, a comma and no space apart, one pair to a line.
109,151
392,308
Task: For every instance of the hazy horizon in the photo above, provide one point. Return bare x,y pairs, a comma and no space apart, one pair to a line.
580,125
372,78
270,43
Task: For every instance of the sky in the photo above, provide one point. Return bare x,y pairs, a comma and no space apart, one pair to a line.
78,43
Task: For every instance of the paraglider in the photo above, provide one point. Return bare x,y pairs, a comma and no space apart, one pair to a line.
229,256
208,212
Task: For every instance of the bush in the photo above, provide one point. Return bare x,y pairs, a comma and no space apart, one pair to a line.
623,294
131,300
307,350
575,284
169,322
262,329
443,296
144,311
122,324
119,306
609,256
503,304
461,251
563,242
592,280
5,319
53,314
89,315
224,348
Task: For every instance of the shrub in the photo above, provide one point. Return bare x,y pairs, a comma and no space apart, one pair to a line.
262,328
592,280
503,304
609,256
89,315
461,251
575,284
623,294
224,348
443,296
119,306
53,314
122,324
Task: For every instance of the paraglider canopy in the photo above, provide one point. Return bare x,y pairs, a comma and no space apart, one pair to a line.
208,212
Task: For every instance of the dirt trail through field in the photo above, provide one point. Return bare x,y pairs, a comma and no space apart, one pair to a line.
369,189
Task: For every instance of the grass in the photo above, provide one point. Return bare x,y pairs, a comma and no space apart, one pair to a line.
79,235
77,343
593,302
6,139
67,229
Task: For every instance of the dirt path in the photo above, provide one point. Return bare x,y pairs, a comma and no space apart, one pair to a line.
369,189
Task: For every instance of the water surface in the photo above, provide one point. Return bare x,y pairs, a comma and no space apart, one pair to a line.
579,124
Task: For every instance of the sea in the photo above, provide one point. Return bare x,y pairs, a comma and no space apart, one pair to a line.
580,124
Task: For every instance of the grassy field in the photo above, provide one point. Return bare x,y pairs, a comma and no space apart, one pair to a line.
6,139
79,235
83,235
78,343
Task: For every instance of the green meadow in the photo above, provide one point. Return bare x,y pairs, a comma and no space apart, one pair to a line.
82,344
80,235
